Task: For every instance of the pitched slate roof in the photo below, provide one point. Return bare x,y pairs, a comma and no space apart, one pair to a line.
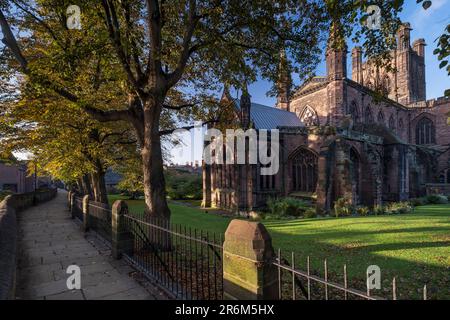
265,117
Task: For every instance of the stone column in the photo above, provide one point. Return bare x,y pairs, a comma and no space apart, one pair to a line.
122,241
248,256
85,225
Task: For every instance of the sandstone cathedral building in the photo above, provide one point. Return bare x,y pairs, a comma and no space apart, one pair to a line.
372,139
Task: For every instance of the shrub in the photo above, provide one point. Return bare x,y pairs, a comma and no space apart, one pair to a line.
399,208
184,186
379,210
415,202
437,199
287,207
343,207
362,210
310,213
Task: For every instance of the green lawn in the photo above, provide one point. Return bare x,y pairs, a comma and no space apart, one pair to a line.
413,247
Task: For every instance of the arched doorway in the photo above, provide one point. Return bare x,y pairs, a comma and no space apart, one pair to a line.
304,170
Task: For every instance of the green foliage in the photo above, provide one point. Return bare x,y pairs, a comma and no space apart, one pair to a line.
399,208
310,213
288,207
343,207
132,179
182,185
415,202
379,210
362,210
436,199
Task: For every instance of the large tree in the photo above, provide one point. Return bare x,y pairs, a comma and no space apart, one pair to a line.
175,54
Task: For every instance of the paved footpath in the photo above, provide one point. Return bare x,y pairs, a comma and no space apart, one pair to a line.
50,241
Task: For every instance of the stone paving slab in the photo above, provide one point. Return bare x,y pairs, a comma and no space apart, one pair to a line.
50,241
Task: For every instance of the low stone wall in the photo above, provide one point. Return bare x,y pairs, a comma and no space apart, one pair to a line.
8,236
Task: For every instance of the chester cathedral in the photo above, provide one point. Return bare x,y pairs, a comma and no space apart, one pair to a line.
372,138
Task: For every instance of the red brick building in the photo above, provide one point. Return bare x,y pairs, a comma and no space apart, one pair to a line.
373,138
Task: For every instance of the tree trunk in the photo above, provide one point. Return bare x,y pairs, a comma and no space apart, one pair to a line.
79,186
152,161
99,186
87,185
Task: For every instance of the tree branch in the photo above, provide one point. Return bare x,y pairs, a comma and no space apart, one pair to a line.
41,22
114,33
193,19
179,107
155,27
170,131
10,41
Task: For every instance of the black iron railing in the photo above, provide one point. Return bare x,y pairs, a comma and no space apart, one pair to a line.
100,219
185,261
297,284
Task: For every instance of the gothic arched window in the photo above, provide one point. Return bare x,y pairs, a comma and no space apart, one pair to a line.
304,170
425,132
309,117
353,111
368,117
391,123
380,118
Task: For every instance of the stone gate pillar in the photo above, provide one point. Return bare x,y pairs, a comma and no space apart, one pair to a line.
122,240
248,256
72,204
85,225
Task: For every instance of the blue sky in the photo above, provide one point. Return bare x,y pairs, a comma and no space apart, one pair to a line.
427,24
